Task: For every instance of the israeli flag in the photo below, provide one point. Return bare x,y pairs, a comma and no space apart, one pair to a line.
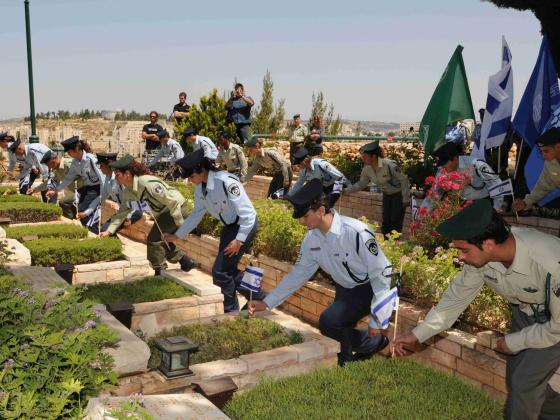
413,207
142,206
24,182
337,186
278,194
501,189
76,197
52,183
384,307
499,107
94,218
252,278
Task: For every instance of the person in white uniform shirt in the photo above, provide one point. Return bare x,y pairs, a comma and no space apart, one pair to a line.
30,156
170,149
201,142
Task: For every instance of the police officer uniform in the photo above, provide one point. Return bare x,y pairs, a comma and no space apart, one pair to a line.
224,197
532,286
272,161
456,134
394,185
55,177
351,255
110,190
30,161
318,169
87,171
168,207
550,176
234,160
204,143
172,151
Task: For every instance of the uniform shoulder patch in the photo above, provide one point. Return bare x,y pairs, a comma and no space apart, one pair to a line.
158,189
234,189
372,246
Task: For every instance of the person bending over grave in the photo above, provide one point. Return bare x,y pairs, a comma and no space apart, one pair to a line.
346,249
222,195
164,203
30,157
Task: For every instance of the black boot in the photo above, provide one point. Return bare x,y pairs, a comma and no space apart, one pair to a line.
187,264
157,272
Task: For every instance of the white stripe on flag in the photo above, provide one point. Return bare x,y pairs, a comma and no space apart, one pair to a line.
252,278
384,307
94,218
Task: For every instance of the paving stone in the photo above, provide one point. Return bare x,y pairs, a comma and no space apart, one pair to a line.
217,368
98,266
195,280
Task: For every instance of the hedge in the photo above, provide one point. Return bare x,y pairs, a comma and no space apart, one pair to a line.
149,289
47,231
378,388
19,199
30,212
8,190
229,339
52,251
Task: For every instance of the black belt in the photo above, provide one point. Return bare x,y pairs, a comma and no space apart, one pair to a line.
228,224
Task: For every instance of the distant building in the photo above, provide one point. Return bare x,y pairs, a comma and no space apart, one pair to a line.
404,128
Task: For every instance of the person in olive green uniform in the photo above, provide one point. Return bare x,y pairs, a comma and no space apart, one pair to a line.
268,158
521,265
231,156
58,169
166,205
298,134
549,144
394,185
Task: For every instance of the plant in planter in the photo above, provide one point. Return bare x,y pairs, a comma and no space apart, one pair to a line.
47,231
19,199
8,190
52,251
30,212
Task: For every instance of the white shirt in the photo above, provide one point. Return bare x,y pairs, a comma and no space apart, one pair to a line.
210,150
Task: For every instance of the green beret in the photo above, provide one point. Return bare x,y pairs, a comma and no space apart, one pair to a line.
370,147
252,142
47,157
123,163
470,222
549,137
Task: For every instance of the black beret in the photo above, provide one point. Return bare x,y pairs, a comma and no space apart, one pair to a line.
3,135
549,137
468,223
305,197
299,155
296,116
105,157
315,150
162,133
70,143
47,156
447,152
123,163
372,147
12,147
188,164
189,131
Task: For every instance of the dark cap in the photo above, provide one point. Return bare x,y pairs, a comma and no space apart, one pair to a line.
189,131
3,135
468,223
302,200
223,134
372,147
162,133
549,138
47,157
447,152
296,116
70,143
12,147
123,163
252,142
189,163
299,155
105,157
315,150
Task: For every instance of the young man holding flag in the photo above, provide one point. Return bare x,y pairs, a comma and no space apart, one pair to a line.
346,249
521,265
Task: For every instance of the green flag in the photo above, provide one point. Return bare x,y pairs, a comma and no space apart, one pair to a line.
450,103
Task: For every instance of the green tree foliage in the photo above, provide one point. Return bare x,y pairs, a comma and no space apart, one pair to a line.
320,108
267,118
547,13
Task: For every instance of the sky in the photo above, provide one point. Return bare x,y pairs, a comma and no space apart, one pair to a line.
373,59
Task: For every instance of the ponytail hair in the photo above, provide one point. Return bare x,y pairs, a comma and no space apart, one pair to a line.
137,169
85,146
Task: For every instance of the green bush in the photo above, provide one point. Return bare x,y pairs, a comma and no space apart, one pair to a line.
47,231
229,339
52,251
50,351
19,199
30,212
378,388
8,190
149,289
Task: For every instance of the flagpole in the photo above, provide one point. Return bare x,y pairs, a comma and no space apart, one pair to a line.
160,231
396,314
99,223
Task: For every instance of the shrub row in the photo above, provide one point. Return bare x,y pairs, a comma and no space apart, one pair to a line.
50,353
30,212
52,251
8,190
19,199
48,231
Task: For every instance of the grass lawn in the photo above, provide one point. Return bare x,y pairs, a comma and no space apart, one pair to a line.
376,389
228,339
47,231
149,289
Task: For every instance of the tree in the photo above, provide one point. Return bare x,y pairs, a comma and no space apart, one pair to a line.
547,12
267,118
320,108
207,118
358,128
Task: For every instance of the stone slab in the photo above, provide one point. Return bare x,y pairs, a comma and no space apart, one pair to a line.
131,354
2,233
20,255
108,265
195,280
163,407
43,279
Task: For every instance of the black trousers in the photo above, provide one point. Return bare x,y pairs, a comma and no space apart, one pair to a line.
27,182
242,131
530,397
393,213
225,273
87,195
340,318
332,197
277,182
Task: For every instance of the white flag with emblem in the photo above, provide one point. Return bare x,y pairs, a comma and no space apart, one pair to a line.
337,186
94,218
142,206
384,306
501,189
413,207
252,278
